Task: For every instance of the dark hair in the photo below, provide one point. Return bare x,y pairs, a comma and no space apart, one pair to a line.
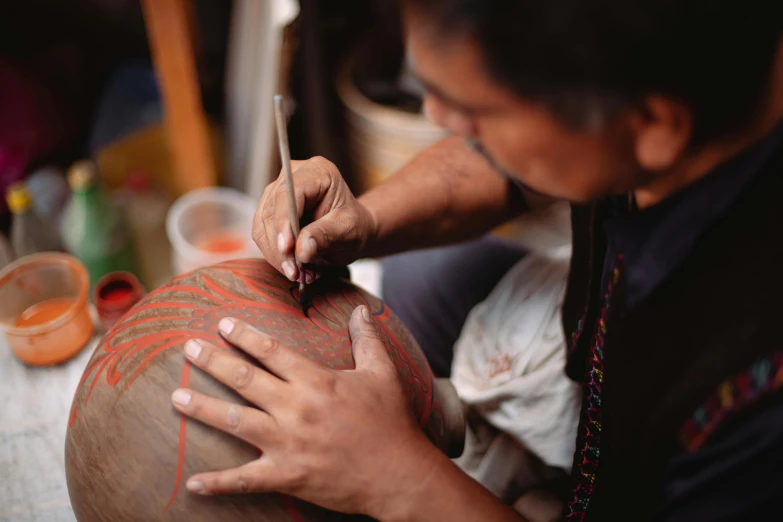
579,57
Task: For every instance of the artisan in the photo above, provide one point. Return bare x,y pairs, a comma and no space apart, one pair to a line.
660,121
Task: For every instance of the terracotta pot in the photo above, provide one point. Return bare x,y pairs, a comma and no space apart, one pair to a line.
128,452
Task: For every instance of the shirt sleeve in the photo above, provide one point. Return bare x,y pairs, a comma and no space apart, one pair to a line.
736,477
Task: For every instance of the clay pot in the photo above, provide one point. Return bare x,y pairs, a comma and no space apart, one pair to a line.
128,452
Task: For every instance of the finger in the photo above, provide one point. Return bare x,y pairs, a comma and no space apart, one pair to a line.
276,357
285,239
338,227
249,424
264,234
311,186
253,477
280,222
254,384
369,352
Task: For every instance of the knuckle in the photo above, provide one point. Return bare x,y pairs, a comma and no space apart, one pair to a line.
370,332
233,417
304,413
296,478
321,162
258,232
243,375
324,167
269,347
309,416
267,210
369,340
327,237
239,484
326,383
242,484
389,371
280,190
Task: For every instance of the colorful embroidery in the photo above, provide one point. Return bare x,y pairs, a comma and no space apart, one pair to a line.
735,393
589,434
578,332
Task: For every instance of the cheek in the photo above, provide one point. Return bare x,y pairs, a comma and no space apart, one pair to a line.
573,166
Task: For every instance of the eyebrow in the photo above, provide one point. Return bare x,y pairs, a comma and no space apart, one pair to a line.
438,92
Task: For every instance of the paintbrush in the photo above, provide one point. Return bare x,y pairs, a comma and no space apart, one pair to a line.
285,159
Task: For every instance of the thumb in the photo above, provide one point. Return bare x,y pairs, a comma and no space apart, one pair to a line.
316,238
368,349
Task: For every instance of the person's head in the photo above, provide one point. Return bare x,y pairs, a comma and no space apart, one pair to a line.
580,99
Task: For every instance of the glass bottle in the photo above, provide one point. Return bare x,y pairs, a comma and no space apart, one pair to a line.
93,230
29,233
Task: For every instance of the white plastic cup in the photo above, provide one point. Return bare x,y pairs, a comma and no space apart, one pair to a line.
203,223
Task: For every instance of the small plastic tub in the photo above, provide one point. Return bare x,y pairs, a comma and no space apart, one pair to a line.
210,225
44,309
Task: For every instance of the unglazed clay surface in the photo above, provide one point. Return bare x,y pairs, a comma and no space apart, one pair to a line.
128,452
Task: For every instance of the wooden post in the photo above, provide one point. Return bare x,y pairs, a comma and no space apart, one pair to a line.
170,30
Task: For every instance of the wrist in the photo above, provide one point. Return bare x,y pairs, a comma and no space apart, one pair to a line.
418,467
369,246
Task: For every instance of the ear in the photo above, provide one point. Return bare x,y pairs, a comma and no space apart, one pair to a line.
663,128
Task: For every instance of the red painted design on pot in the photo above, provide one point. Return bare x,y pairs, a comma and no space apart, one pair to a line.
117,417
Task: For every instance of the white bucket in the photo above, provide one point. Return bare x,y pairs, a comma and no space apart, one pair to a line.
381,139
210,225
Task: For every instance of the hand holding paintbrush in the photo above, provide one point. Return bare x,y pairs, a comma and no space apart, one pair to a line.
285,159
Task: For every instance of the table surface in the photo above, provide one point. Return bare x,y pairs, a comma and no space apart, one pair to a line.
34,407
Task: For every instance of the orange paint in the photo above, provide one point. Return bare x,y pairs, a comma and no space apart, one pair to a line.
44,312
35,343
183,425
221,243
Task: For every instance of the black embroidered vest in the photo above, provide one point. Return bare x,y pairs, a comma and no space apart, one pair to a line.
665,375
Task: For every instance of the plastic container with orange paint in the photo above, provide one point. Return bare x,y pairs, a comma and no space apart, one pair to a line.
209,226
44,309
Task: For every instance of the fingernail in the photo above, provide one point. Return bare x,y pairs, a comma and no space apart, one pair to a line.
196,486
226,325
366,314
289,270
309,277
192,349
280,242
308,250
181,397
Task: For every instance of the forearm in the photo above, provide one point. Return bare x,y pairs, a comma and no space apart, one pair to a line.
447,493
448,193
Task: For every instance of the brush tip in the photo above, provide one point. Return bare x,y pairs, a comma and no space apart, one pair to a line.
304,299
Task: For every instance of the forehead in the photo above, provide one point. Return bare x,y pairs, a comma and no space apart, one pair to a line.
451,62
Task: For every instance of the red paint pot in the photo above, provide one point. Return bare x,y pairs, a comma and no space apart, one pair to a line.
115,294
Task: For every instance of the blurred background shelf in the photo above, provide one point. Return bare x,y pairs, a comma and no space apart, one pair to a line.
183,89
